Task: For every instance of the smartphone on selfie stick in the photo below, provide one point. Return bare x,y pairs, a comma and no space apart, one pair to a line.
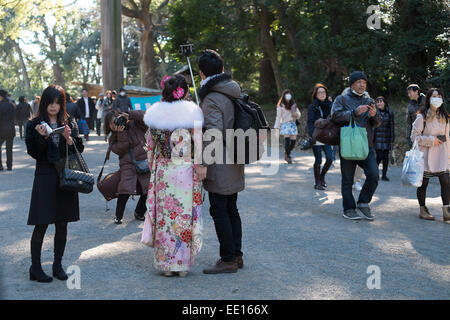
187,50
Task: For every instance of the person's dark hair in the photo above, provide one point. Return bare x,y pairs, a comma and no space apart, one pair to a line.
210,63
84,89
51,94
3,93
21,99
413,87
171,86
287,104
386,105
316,88
442,111
109,117
68,98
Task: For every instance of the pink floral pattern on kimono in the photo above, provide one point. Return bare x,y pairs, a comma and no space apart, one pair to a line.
174,205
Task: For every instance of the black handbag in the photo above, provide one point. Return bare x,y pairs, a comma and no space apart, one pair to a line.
141,165
76,176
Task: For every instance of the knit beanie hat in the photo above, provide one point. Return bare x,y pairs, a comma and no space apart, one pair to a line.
357,75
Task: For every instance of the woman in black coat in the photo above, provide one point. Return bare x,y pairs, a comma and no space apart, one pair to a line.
384,135
320,109
50,204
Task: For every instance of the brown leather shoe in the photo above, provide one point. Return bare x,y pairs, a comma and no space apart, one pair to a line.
240,262
222,267
425,214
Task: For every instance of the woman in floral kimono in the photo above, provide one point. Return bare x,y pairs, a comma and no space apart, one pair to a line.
173,223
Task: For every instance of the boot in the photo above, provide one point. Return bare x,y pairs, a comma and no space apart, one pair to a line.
318,184
222,267
58,271
425,214
446,211
325,169
287,150
36,272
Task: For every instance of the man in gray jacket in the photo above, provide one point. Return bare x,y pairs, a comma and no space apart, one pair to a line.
223,181
122,102
355,102
416,102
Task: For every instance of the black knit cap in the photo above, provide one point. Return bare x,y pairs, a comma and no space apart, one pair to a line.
357,75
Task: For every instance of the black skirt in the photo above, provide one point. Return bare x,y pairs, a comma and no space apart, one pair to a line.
49,204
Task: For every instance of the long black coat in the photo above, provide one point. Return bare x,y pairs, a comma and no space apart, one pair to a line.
314,113
7,119
384,135
49,204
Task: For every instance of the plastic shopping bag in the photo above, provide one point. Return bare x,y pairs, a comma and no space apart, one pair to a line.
413,167
147,232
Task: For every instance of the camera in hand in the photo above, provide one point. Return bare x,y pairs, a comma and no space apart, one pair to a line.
120,121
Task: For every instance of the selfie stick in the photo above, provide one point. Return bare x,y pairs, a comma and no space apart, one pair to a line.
193,81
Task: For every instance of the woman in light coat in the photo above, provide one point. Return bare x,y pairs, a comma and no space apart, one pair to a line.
287,114
431,132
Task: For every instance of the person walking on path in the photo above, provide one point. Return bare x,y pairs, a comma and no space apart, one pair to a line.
49,203
320,109
87,110
416,103
35,105
122,103
23,114
72,108
128,142
356,103
384,135
99,108
7,129
175,191
223,181
287,113
431,131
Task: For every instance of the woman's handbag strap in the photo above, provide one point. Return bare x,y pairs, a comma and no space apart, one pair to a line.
108,153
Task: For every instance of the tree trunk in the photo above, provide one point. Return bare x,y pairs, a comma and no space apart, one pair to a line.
267,87
26,79
57,69
147,56
269,47
112,54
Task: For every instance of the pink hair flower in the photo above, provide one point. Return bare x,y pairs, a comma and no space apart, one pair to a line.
164,80
179,93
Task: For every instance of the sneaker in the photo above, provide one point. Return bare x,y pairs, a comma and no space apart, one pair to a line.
365,210
117,221
351,215
357,186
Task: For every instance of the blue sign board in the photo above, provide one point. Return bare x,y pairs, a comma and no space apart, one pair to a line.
143,103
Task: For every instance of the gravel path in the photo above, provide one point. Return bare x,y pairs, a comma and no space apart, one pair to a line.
296,243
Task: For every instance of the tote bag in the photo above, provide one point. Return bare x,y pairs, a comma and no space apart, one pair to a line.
413,167
354,143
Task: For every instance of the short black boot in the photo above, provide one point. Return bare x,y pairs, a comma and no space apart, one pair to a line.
36,272
325,169
318,184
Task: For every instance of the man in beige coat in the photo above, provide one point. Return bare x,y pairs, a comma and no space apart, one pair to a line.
223,181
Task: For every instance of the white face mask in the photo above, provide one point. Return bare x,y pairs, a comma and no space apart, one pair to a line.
436,102
288,97
122,94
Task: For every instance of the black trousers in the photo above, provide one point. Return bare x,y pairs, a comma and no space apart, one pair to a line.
9,151
383,156
98,126
141,207
223,210
59,242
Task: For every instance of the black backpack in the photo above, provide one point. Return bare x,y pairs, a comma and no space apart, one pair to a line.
248,115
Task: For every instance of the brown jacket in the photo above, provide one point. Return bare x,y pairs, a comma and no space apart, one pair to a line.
218,111
133,138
